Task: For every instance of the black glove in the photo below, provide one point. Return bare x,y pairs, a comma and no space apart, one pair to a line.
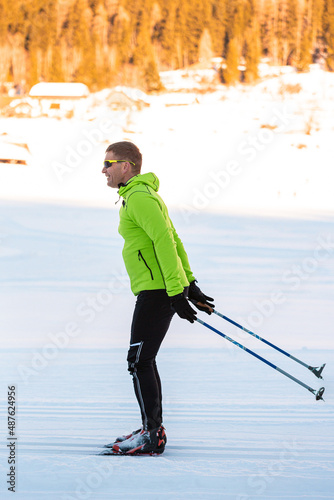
199,299
182,307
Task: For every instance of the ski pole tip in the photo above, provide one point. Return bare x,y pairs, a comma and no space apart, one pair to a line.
319,394
317,371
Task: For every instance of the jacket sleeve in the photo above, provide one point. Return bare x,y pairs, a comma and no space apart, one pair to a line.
147,213
183,255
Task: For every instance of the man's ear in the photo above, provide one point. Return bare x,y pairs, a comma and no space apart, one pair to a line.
126,167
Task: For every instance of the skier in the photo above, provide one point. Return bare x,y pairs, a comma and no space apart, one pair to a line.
162,280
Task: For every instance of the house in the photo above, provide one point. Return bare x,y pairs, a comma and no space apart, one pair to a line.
11,153
63,100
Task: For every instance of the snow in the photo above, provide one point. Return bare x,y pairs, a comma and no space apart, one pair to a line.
187,79
268,70
11,152
246,149
56,89
236,430
258,229
133,93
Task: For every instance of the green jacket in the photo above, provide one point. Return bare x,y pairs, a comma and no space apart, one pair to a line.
153,253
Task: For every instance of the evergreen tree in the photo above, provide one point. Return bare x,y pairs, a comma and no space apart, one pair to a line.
267,36
328,32
291,30
56,73
231,73
151,77
194,24
4,55
205,52
305,55
252,54
102,42
316,22
16,38
164,35
120,36
218,25
79,44
143,55
180,36
40,37
3,21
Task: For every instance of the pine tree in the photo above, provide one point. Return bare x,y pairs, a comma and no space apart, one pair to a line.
79,44
305,55
291,31
252,53
40,37
143,55
143,46
56,73
164,35
101,42
194,25
267,35
4,55
328,32
151,77
231,73
3,20
316,23
218,25
205,52
181,52
120,37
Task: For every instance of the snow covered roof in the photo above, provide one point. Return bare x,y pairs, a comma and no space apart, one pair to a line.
9,153
54,89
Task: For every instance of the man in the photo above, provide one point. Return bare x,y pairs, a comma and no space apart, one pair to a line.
160,277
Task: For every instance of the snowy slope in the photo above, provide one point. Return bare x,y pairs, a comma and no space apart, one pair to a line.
260,148
237,430
62,265
226,161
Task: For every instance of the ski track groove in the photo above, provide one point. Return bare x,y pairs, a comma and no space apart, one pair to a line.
287,440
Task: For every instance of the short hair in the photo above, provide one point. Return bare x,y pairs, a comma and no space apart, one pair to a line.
126,150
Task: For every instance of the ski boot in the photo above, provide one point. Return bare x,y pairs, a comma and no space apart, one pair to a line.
145,442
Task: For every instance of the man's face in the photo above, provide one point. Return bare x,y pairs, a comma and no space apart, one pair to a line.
115,172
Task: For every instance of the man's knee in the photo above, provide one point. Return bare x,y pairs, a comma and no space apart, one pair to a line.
141,366
137,361
133,358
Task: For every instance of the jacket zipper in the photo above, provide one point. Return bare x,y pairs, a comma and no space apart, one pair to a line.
156,258
140,257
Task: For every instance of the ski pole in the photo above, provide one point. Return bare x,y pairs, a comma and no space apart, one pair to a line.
318,394
316,370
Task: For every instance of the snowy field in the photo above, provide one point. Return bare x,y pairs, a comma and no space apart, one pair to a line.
247,173
237,429
261,149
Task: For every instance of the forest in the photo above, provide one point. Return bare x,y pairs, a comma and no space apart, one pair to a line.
110,42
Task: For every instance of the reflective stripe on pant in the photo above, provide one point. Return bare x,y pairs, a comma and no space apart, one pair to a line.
151,320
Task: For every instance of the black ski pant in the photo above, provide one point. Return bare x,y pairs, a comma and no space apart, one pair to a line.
151,320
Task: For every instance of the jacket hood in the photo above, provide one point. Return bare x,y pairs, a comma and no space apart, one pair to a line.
149,179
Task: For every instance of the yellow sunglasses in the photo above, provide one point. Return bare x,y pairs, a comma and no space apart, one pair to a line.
107,163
